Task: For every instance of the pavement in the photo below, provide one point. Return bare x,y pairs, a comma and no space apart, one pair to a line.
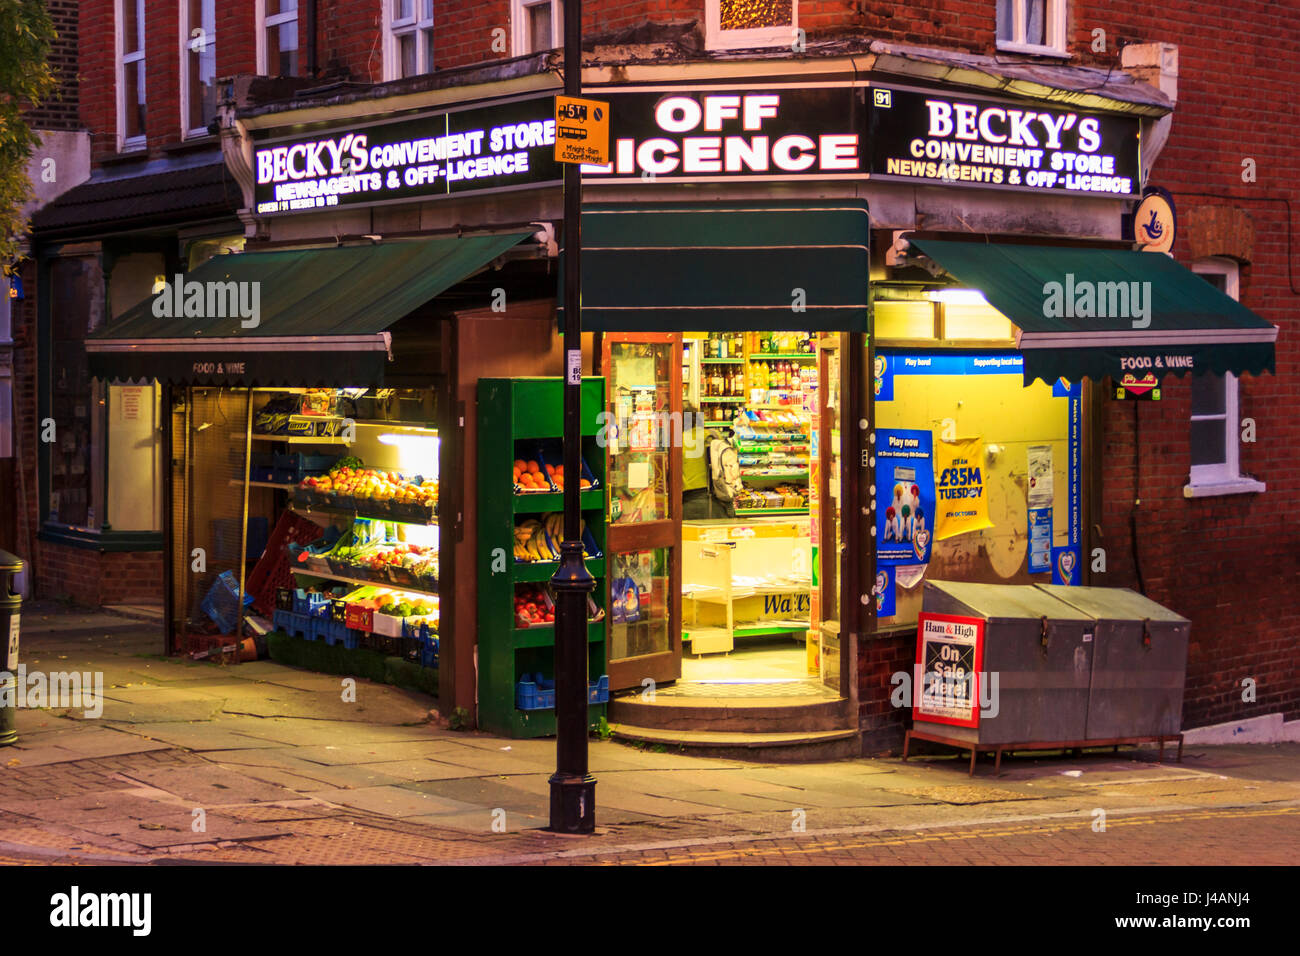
196,762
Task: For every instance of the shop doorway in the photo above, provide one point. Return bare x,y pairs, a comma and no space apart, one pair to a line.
723,465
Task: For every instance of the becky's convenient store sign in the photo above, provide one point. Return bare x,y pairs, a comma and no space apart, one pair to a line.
502,146
921,136
708,134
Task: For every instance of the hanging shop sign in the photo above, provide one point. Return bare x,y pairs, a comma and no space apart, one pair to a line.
1155,223
922,136
474,149
949,660
726,133
963,503
905,503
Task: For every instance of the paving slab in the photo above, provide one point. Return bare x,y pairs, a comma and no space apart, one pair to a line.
392,801
155,710
480,822
309,732
208,786
200,737
159,827
299,783
625,799
486,792
420,769
104,741
384,751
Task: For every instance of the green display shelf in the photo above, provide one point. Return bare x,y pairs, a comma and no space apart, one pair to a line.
545,636
764,356
537,572
512,411
593,499
768,512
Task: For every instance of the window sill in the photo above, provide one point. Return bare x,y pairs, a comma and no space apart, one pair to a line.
193,142
756,39
1033,49
1237,486
91,539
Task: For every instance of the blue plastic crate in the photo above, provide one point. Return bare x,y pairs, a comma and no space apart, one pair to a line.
280,618
528,696
221,601
539,694
308,603
297,625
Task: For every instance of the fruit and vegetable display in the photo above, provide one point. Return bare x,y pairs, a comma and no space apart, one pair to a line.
361,482
539,539
376,558
533,606
531,475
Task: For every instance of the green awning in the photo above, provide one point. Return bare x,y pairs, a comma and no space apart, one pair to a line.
321,314
1092,313
676,267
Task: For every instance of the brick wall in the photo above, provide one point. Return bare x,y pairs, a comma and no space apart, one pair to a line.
62,112
96,578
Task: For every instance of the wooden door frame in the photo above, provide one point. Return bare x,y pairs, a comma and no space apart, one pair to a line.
663,666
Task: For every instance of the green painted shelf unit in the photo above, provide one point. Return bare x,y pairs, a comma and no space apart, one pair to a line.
512,410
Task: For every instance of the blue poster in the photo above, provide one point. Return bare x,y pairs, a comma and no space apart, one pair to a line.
884,592
1065,564
904,496
1040,540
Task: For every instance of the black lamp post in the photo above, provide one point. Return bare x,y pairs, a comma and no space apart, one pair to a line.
573,789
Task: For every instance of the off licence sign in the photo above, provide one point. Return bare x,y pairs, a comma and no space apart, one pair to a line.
581,131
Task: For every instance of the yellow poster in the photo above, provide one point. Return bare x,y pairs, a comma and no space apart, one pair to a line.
961,490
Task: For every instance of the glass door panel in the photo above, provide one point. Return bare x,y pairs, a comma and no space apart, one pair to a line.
643,442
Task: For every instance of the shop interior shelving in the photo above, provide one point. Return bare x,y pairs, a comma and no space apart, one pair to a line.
512,414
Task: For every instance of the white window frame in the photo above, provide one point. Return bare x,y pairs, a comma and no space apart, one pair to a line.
185,28
716,38
519,25
393,29
125,144
1055,12
263,22
1223,478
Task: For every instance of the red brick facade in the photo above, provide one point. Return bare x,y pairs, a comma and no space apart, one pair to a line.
1229,563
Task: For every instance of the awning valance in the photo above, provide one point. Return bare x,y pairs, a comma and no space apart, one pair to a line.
321,314
1092,313
676,267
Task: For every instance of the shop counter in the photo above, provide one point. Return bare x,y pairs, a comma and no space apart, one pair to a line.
744,578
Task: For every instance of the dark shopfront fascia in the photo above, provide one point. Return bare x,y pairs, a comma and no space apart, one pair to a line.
94,496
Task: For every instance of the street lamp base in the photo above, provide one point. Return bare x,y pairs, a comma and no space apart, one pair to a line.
573,804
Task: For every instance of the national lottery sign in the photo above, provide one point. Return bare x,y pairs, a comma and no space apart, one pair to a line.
920,136
500,146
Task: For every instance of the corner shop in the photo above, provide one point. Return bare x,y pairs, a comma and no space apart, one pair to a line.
921,326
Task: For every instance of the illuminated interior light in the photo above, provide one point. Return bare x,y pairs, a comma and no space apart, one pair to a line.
957,296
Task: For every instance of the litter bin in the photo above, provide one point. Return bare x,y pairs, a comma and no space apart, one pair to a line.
10,605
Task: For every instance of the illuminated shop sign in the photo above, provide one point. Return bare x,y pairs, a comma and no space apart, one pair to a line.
451,152
717,133
919,136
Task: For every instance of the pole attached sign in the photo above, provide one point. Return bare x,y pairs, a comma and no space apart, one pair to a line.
581,130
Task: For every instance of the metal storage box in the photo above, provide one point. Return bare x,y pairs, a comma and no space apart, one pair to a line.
1039,647
1139,662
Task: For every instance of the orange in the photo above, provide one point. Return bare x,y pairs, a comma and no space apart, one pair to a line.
520,465
533,467
550,470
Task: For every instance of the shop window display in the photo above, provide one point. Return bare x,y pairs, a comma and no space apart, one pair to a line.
317,506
